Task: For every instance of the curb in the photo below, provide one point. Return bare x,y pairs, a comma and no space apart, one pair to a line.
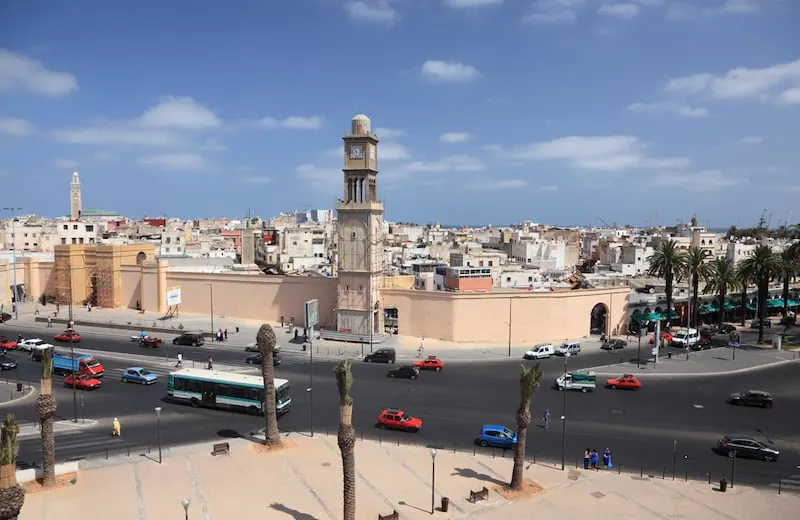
29,391
696,374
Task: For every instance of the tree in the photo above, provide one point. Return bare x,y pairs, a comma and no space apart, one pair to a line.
695,268
742,281
761,267
12,496
667,262
722,278
265,339
46,410
528,384
347,437
788,270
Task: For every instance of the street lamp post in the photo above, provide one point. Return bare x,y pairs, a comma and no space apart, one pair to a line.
509,327
14,292
185,503
311,383
72,355
158,428
639,348
564,416
433,478
211,297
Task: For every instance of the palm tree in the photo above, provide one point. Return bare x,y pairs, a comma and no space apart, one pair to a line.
528,384
788,269
12,496
347,437
695,267
761,267
667,262
46,410
265,339
722,278
742,281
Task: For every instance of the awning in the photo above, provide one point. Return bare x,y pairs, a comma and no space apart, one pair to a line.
775,303
794,303
707,309
654,316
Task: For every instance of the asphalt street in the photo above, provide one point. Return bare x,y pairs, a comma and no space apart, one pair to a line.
640,428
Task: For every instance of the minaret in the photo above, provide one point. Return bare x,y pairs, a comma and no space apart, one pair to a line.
360,235
75,207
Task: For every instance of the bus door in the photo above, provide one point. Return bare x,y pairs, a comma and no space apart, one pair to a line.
209,395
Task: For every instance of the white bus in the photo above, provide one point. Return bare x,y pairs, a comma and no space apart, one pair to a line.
226,390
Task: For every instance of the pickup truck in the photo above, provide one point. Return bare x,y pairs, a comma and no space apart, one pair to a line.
583,381
66,364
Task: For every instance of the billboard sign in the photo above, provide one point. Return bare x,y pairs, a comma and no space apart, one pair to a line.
173,296
312,313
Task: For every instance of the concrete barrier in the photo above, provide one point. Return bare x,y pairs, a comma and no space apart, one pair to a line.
29,475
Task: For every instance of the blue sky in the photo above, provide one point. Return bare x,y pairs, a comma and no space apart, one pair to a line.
488,111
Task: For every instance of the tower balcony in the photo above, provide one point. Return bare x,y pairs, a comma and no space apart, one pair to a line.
359,206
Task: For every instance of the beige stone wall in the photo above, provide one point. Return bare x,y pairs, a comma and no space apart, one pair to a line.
405,281
484,317
131,285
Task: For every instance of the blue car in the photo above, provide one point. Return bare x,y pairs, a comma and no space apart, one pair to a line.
139,375
497,436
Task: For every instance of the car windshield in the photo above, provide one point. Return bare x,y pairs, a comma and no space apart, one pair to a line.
508,432
679,335
405,417
92,363
145,372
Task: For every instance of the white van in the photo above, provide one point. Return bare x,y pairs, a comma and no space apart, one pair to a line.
573,348
542,351
685,338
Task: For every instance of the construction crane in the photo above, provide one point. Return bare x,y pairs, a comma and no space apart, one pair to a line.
606,224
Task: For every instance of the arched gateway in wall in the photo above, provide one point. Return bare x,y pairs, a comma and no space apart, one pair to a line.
598,319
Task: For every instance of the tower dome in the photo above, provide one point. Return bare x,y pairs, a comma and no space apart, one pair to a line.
361,125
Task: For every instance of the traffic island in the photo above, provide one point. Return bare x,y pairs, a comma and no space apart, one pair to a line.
12,392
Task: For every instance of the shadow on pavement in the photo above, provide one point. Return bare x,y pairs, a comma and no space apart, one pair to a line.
233,434
406,504
294,513
472,474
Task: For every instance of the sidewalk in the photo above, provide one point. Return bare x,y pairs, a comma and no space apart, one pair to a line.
304,481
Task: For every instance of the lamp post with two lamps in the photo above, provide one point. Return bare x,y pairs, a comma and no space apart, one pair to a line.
564,415
15,291
433,478
185,503
158,429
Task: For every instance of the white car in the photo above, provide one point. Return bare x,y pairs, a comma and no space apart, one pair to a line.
29,345
542,351
685,338
253,347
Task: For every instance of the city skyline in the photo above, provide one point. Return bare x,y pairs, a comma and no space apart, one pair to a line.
613,109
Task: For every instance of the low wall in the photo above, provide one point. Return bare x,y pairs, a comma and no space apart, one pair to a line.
29,475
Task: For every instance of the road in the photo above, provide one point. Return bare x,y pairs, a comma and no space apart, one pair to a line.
639,427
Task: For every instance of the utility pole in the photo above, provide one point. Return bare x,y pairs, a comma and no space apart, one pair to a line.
509,327
14,292
72,355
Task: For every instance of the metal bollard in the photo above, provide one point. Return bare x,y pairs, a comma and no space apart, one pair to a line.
380,439
641,471
494,455
106,453
362,436
686,476
619,469
664,474
129,451
398,440
576,463
454,448
780,481
473,451
709,478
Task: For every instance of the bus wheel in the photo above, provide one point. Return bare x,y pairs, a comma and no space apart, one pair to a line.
195,402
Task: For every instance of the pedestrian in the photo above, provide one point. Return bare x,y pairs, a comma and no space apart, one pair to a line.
116,428
586,456
138,305
593,458
607,458
281,321
546,419
179,364
225,333
58,308
49,322
210,363
421,349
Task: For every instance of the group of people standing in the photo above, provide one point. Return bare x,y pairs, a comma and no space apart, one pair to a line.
591,459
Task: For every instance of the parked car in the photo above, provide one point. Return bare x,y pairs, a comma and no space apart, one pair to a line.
382,355
68,336
746,447
194,339
614,344
82,381
7,344
139,375
4,317
6,361
258,359
541,351
396,419
496,436
703,344
727,328
573,348
625,382
766,322
751,398
404,371
429,363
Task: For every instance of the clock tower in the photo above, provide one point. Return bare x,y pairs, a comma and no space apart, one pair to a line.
75,208
360,235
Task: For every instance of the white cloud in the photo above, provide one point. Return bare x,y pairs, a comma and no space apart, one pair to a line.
65,164
604,153
428,166
549,187
620,10
179,161
18,72
753,139
464,163
389,133
293,123
487,183
739,6
16,127
688,11
372,11
319,177
467,4
104,157
257,180
740,83
455,137
449,71
180,113
119,136
791,95
667,107
390,151
706,180
553,12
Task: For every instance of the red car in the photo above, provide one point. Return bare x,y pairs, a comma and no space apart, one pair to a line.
429,363
149,341
626,382
84,382
68,336
666,337
7,344
395,419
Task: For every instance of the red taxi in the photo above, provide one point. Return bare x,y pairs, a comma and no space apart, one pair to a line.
7,344
429,363
83,382
150,341
68,336
625,382
396,419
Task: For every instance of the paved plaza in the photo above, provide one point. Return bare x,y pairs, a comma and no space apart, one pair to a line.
304,482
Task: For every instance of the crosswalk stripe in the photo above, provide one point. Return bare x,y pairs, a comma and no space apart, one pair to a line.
785,486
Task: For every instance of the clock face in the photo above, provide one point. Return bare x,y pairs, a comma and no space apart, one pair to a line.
356,151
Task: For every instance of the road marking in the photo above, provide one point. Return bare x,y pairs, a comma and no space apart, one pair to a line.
698,406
